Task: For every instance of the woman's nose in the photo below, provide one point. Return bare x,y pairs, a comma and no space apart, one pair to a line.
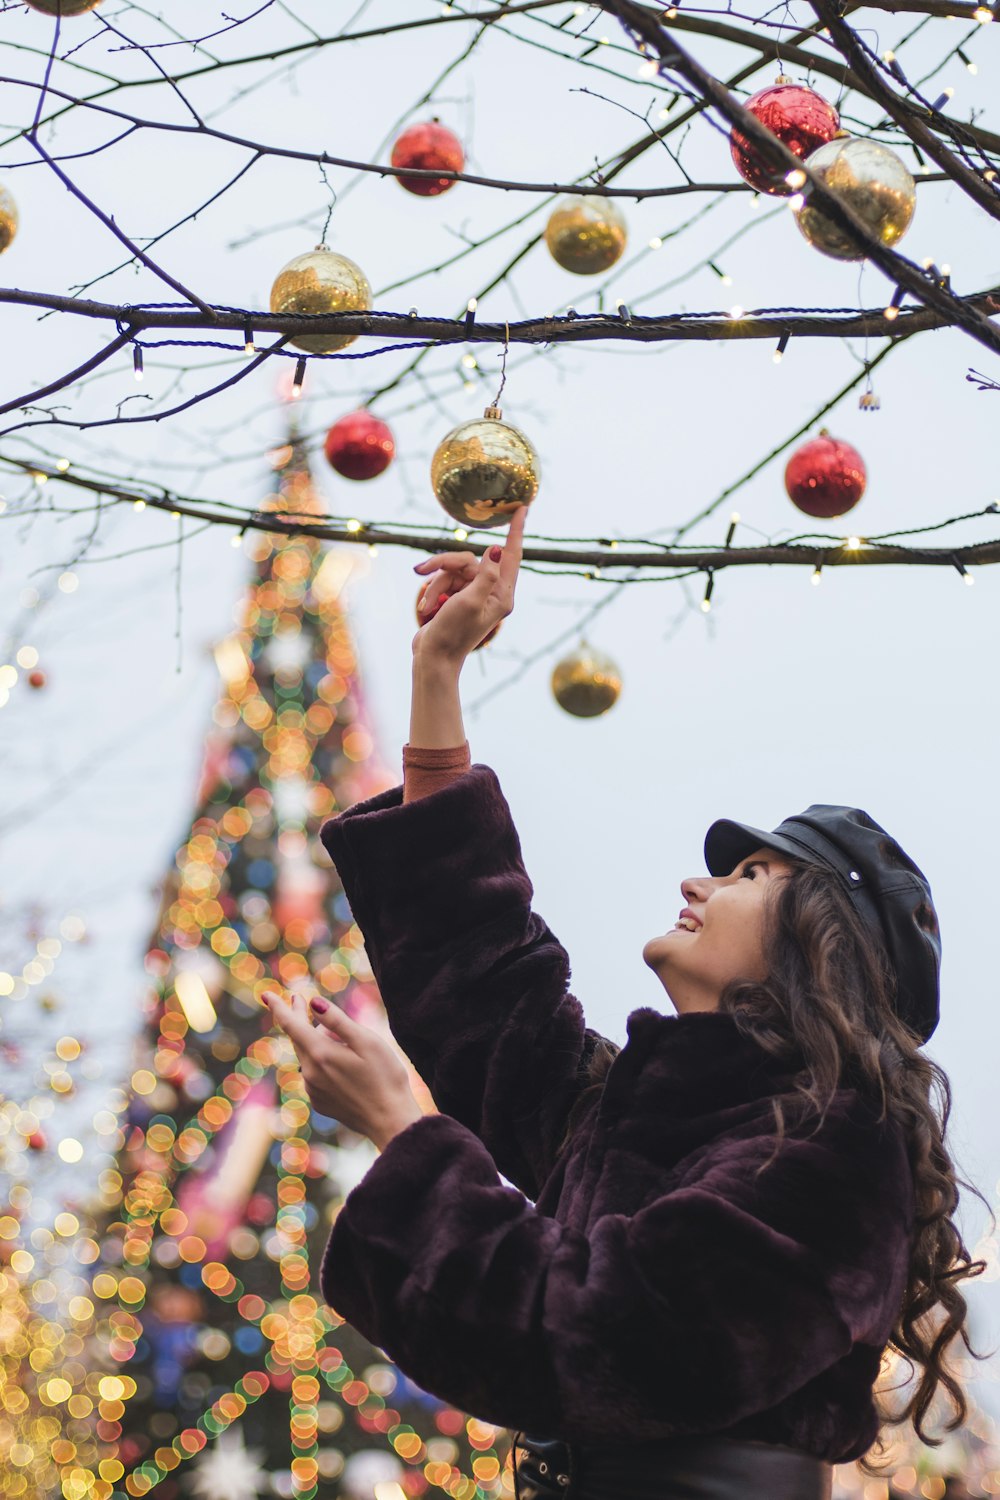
696,888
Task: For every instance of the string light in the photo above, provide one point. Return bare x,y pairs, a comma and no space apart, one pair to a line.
354,525
736,312
891,62
942,99
137,361
460,534
734,521
656,243
62,464
624,314
796,201
470,311
817,574
726,280
706,603
970,65
963,572
139,505
852,543
782,346
892,311
796,178
299,378
982,14
248,343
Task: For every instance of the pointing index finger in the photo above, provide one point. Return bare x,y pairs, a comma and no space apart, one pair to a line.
510,559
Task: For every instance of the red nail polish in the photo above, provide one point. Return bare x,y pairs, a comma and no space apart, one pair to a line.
319,1005
441,599
495,554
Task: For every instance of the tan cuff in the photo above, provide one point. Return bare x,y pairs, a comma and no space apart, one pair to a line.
426,771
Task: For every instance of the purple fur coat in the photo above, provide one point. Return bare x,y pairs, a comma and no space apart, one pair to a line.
643,1283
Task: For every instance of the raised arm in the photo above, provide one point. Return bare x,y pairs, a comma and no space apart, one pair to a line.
473,981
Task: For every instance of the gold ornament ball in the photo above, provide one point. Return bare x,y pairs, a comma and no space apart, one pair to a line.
63,7
872,181
585,235
483,470
8,219
585,683
321,281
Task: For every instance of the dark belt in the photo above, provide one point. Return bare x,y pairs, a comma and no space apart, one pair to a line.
686,1468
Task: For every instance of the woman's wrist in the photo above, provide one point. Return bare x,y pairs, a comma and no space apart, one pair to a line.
435,705
431,661
382,1134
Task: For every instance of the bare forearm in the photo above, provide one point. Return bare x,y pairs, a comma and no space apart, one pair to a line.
435,705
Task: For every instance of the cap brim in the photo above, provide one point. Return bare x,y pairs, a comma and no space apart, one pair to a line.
726,843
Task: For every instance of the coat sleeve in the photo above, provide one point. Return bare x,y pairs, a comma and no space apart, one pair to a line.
713,1302
473,981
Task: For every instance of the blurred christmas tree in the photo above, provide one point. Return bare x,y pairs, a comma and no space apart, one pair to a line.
224,1374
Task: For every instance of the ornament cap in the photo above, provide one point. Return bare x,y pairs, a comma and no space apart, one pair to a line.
494,413
824,432
784,78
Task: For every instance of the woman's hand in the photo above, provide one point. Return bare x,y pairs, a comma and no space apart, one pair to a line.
351,1073
467,596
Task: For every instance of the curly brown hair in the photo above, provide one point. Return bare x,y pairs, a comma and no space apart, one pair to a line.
830,999
828,1003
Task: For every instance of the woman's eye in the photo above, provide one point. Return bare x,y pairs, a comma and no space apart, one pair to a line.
748,872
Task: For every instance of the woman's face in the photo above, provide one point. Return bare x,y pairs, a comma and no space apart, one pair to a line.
719,935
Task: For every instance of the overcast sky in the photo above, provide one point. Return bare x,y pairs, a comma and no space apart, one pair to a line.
875,689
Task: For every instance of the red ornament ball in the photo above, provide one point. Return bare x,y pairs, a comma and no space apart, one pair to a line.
799,117
428,147
826,477
359,446
36,679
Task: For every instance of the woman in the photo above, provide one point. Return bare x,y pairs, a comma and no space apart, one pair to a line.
715,1232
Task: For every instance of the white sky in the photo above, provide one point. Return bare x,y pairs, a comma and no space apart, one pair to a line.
875,689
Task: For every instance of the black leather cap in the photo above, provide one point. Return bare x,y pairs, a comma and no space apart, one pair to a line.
887,889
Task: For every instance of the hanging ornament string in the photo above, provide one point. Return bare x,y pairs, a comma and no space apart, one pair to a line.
333,205
503,362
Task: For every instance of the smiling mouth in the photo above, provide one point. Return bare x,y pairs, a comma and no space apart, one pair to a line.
687,924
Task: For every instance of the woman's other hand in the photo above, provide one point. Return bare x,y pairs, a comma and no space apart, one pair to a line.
351,1074
467,596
